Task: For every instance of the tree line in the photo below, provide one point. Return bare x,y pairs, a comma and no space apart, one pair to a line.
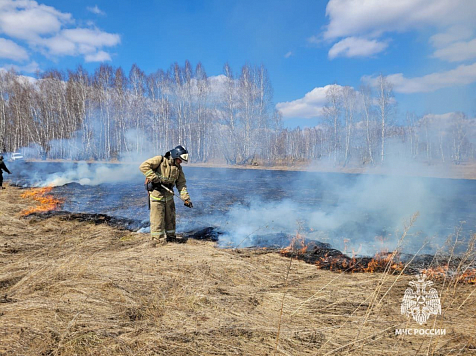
230,118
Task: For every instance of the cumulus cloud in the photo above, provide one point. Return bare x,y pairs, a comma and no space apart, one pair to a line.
356,47
217,81
51,31
81,41
374,17
370,19
95,10
28,20
457,52
10,50
310,106
462,75
452,34
100,56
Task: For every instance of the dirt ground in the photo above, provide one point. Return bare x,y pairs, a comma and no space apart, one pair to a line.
75,288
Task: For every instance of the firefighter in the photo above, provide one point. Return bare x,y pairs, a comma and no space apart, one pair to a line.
3,167
165,171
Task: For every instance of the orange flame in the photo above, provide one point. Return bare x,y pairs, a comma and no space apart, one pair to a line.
381,262
444,272
297,244
46,201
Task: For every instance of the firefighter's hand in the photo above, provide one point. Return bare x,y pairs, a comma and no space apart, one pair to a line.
156,180
188,203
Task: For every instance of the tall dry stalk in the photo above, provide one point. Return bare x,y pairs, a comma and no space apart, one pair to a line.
297,239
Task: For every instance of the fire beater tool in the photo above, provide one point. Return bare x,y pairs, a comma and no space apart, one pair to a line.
163,186
171,191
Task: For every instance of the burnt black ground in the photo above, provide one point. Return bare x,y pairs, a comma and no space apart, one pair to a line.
216,192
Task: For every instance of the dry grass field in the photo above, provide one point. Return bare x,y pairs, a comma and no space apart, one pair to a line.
76,288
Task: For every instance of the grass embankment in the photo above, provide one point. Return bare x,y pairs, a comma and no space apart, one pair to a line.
75,288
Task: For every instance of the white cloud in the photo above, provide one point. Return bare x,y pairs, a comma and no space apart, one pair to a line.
370,19
374,17
462,75
28,20
316,40
10,50
447,118
80,41
50,31
23,79
100,56
90,37
310,106
457,52
217,85
453,34
356,47
95,10
217,80
289,54
32,67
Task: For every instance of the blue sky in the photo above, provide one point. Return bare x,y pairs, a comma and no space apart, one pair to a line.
427,49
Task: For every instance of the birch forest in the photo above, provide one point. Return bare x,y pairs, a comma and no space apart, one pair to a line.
227,118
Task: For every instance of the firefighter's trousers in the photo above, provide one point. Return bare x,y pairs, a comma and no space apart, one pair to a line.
162,218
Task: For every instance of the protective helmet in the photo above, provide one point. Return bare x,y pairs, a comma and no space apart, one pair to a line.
179,152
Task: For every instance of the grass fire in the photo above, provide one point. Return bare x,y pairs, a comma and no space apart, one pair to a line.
91,288
46,201
187,178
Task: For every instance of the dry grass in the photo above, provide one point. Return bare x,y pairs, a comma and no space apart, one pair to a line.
73,288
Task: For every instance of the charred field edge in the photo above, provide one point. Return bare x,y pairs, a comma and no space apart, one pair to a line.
309,251
439,265
207,233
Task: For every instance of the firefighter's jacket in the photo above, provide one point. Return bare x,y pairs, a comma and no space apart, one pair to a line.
3,167
163,170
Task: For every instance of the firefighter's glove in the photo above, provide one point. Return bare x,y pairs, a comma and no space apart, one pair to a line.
154,178
188,203
149,186
149,183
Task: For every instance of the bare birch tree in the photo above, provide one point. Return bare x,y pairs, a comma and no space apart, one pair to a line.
332,112
385,105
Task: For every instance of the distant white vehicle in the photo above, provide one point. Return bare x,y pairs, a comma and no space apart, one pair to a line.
16,156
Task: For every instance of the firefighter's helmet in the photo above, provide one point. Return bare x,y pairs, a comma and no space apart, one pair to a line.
179,152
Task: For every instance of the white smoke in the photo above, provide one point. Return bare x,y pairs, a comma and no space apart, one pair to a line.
360,212
92,174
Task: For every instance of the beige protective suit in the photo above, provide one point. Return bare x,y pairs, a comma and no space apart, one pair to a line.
163,170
